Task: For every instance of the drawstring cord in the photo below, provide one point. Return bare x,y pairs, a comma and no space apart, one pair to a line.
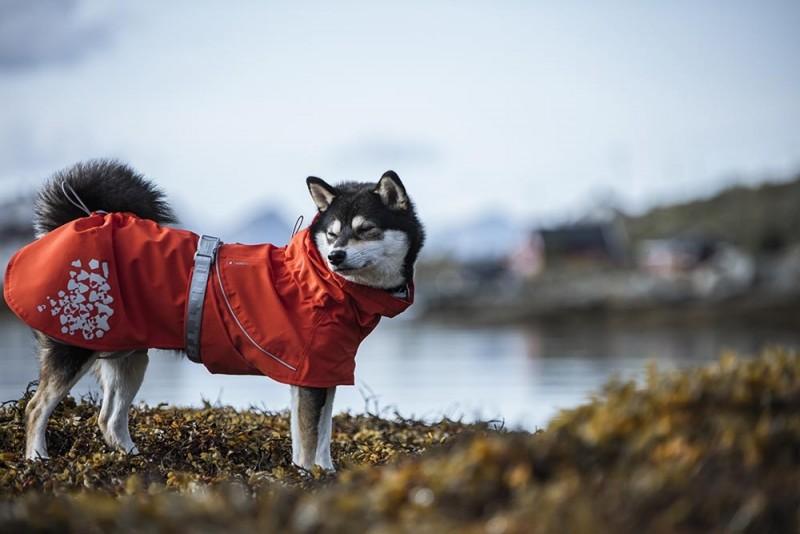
297,225
75,200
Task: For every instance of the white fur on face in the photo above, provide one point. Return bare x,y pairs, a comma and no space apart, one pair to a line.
335,227
370,262
357,222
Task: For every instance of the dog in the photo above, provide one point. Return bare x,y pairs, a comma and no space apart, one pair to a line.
356,260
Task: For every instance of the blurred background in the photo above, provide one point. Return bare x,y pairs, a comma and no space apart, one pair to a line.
603,185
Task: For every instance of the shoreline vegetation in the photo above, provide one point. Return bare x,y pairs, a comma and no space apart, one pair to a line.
709,449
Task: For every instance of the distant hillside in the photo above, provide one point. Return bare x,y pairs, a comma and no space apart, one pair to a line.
758,219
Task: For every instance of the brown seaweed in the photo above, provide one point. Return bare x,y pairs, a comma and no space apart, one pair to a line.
701,450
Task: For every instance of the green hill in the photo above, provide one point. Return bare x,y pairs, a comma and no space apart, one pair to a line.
758,219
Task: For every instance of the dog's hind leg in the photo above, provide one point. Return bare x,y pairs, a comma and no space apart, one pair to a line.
120,376
60,367
311,422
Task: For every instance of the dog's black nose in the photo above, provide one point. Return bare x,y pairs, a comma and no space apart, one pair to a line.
337,257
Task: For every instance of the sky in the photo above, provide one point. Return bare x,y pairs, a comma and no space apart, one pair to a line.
532,110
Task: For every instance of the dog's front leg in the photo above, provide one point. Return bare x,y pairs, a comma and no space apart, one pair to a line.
311,424
325,432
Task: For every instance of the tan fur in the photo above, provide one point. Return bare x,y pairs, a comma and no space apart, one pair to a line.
60,367
311,401
54,384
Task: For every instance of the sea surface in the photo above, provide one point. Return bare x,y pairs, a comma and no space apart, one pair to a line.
519,377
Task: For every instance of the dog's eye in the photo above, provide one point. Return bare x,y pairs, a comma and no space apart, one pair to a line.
369,231
332,235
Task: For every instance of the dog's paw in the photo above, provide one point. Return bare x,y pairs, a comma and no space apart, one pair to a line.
326,466
127,448
315,471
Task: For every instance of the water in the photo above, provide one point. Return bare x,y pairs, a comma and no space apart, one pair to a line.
521,376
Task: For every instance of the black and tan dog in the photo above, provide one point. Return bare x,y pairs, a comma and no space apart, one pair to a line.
366,234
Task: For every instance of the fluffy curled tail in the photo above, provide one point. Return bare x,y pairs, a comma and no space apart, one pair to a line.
101,185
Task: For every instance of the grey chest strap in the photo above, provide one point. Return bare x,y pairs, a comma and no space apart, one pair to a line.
203,260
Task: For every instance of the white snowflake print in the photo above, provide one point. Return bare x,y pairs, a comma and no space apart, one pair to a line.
85,305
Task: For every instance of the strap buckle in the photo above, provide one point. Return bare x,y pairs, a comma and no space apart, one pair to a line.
207,247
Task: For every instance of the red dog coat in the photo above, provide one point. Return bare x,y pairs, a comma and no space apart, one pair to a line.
115,282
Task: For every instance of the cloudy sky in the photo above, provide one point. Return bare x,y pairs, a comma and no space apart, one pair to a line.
532,109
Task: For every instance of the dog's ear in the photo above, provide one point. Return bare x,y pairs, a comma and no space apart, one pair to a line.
392,192
321,192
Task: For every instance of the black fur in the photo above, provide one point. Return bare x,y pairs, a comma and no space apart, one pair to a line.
60,362
360,198
106,185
